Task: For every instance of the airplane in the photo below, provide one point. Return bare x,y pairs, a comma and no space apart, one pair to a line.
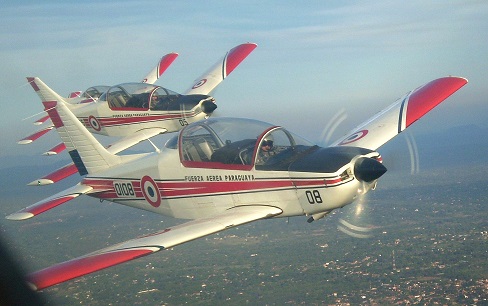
92,94
224,172
138,111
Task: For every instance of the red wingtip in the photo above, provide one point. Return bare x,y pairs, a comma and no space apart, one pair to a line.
425,98
237,55
165,62
81,266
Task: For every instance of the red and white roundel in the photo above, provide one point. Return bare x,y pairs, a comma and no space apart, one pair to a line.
354,137
150,191
94,123
199,83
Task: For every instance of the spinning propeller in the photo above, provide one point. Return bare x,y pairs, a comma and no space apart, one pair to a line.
356,220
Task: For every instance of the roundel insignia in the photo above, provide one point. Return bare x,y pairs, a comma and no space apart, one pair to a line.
150,191
199,83
354,137
94,123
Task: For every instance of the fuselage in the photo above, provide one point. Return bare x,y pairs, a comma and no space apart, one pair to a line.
203,171
127,108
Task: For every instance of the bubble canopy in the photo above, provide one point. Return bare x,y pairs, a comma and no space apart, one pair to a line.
236,143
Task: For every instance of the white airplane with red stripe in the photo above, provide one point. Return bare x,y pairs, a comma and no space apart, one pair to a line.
92,94
139,111
224,172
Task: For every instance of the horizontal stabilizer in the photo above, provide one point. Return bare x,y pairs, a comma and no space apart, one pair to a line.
41,120
114,148
218,72
55,150
404,112
49,203
35,136
146,245
55,176
160,68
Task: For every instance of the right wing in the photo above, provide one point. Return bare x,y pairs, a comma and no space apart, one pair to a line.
148,244
218,72
160,68
404,112
114,148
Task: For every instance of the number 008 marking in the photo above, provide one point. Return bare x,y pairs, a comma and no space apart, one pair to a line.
313,196
124,189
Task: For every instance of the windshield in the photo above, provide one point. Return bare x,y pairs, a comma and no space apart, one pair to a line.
94,92
218,142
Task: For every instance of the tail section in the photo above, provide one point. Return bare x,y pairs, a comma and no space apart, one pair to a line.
43,91
87,153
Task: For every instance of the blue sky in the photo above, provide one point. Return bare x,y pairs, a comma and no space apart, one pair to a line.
314,58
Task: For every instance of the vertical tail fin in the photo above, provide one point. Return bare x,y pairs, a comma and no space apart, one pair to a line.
43,91
87,153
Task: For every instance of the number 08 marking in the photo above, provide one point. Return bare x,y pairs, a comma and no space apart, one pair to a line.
313,197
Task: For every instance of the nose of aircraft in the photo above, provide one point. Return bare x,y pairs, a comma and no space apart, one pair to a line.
368,169
208,106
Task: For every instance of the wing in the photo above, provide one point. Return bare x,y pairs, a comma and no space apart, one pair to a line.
51,202
149,244
404,112
218,72
116,147
162,65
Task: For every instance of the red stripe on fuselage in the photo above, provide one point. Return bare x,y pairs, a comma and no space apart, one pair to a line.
111,121
178,189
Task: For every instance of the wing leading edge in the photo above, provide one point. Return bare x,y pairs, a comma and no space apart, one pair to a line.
148,244
388,123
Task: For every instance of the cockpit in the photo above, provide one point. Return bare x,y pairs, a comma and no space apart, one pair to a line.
141,96
144,97
94,92
232,143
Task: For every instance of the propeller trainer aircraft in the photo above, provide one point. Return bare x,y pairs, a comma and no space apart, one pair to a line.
138,111
224,172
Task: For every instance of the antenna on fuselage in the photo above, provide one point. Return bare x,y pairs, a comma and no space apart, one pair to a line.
155,148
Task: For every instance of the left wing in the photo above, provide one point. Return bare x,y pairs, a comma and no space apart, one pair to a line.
218,72
404,112
148,244
160,68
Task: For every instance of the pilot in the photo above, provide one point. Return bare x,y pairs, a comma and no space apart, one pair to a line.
154,101
265,151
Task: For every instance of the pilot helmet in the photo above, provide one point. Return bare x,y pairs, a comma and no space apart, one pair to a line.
267,141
